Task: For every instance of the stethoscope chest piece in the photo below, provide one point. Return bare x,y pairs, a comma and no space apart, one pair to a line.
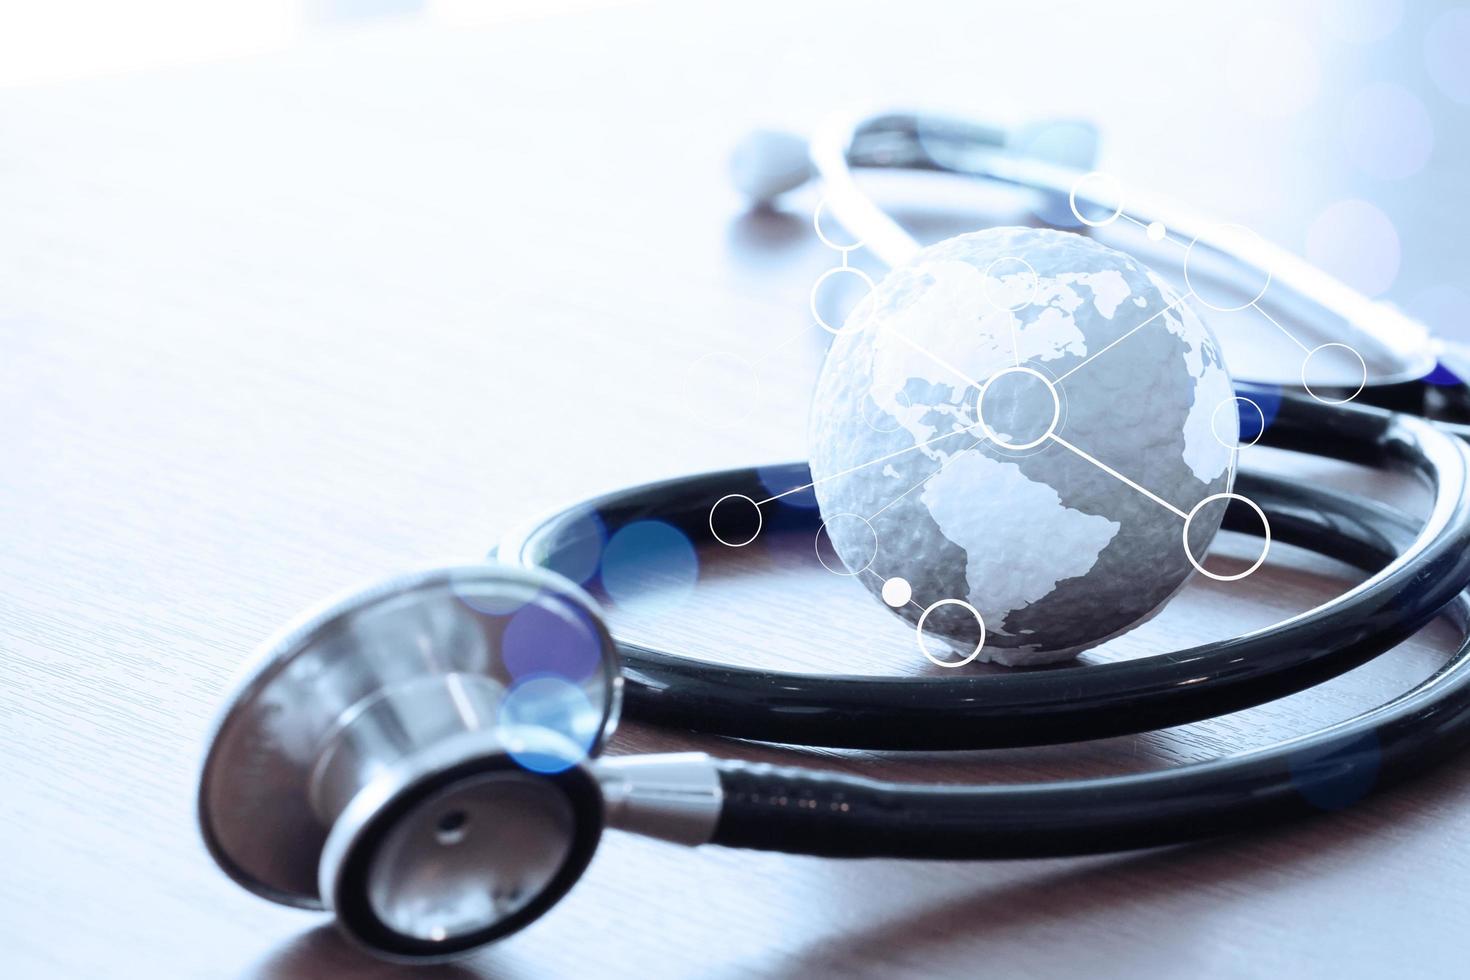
415,757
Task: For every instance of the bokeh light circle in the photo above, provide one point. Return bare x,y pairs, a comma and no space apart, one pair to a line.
1272,69
649,563
554,705
1363,22
1356,242
1386,131
1069,143
549,637
1445,44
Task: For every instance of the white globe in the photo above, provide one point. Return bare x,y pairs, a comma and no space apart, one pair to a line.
984,370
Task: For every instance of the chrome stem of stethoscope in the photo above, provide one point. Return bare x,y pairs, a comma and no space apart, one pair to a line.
674,796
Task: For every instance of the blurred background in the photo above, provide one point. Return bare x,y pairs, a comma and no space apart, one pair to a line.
442,156
1338,127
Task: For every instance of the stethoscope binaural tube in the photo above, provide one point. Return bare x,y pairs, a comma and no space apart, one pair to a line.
907,140
1074,703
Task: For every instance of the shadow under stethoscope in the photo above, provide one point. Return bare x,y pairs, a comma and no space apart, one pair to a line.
1152,878
323,952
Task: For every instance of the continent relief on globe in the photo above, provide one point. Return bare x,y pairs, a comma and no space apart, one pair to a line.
1054,552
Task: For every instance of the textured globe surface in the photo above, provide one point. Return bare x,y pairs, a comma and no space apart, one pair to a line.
1055,553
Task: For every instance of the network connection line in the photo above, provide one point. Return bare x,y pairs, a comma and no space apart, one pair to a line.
886,578
926,479
1067,374
1118,476
1155,230
932,356
1289,335
854,469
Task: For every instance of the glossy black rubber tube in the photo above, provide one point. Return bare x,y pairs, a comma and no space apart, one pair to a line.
1076,703
798,811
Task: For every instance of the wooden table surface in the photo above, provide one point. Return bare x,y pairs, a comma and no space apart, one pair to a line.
273,327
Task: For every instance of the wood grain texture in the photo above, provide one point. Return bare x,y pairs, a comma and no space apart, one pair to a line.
271,328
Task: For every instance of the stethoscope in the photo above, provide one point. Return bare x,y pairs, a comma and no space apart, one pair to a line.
422,757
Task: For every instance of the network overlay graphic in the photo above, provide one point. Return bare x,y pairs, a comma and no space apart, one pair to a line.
1023,442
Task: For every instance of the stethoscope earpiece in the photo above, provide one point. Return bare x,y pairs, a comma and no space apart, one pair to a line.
768,163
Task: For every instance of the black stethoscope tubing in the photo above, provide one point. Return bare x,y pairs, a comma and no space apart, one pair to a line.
1407,588
835,815
830,815
806,812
